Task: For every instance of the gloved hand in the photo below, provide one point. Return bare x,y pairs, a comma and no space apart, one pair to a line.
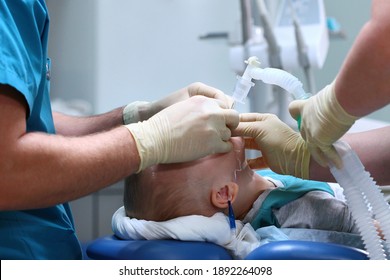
283,150
185,131
323,122
141,110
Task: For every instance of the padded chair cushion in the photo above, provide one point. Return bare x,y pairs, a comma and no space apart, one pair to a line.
306,250
112,248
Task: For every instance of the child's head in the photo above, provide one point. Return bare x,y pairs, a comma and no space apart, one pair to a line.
201,187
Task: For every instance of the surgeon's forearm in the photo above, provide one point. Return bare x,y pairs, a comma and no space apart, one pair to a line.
373,150
77,126
362,85
41,170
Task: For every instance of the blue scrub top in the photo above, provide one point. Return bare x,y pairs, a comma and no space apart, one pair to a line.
47,233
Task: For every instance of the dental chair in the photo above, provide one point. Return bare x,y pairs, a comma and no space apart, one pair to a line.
113,248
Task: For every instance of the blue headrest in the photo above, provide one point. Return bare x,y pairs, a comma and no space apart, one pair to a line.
306,250
112,248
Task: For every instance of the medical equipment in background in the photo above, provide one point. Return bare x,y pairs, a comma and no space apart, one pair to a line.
292,35
363,196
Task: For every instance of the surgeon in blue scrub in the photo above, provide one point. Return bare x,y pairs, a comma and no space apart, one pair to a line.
48,159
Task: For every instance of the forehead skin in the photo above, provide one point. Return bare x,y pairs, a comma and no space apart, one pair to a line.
212,169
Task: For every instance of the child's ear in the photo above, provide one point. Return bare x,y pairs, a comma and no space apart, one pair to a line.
221,195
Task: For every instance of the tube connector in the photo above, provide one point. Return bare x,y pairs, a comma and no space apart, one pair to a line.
244,83
272,76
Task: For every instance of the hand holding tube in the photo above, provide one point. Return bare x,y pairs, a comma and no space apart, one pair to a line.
323,122
283,150
141,110
185,131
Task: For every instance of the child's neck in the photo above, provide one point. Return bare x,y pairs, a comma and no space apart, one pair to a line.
249,194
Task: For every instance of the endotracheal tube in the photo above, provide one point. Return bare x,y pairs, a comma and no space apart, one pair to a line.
364,197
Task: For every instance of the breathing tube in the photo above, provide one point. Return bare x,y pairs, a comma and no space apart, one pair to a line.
362,193
271,76
364,198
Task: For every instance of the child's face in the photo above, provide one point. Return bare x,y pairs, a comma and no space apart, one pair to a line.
214,169
224,167
197,180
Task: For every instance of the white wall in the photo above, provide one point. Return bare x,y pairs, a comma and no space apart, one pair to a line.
72,48
147,49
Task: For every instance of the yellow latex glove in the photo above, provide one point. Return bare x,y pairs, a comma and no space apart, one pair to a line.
142,110
283,150
185,131
323,122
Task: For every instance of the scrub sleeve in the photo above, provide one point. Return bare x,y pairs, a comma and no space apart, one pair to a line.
47,233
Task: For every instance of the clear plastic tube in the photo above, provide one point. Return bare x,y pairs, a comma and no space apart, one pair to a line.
244,83
282,79
241,90
271,76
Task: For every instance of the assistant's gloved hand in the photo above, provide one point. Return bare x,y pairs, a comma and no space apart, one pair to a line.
141,110
283,150
323,122
185,131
